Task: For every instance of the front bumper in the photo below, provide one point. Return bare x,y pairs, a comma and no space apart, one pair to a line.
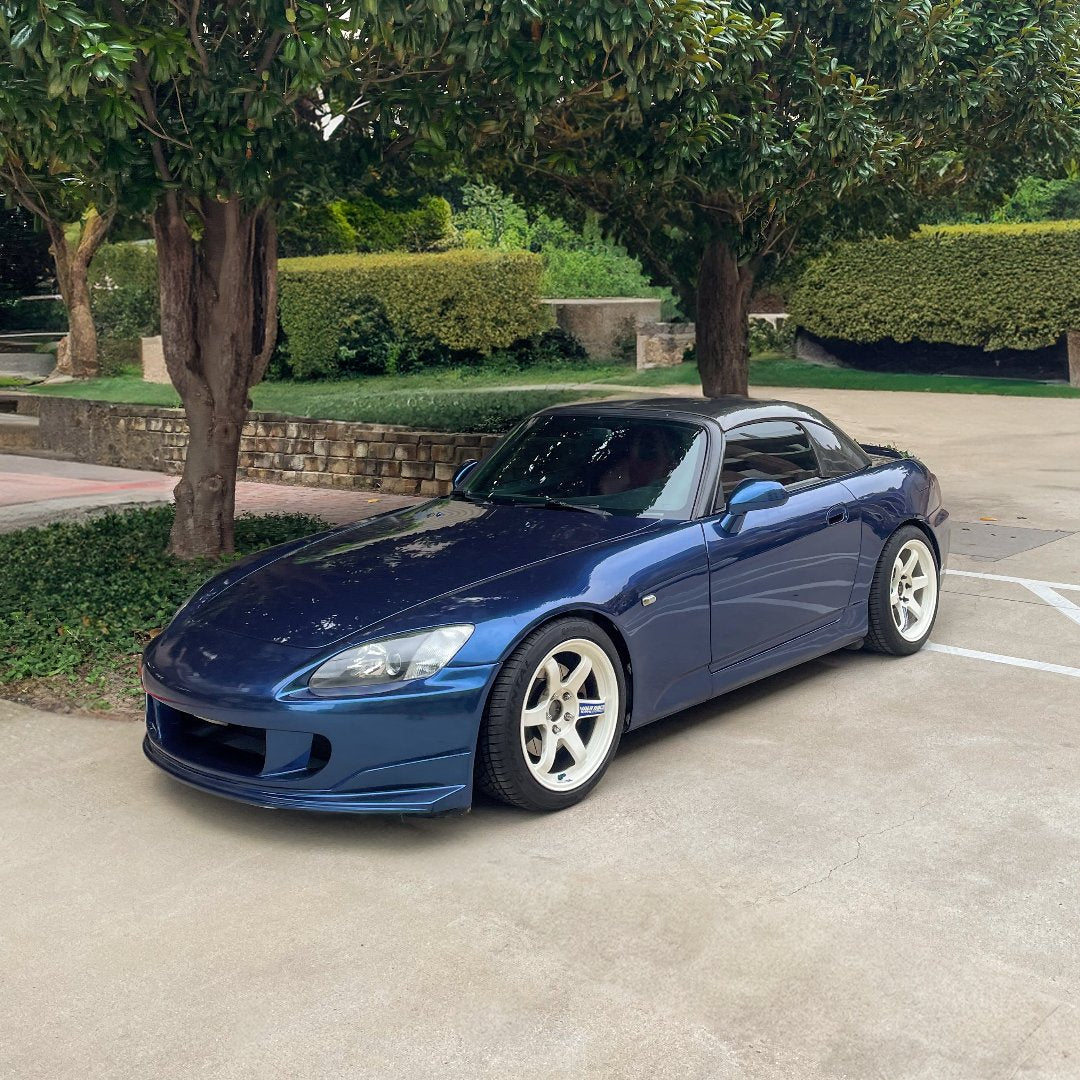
408,751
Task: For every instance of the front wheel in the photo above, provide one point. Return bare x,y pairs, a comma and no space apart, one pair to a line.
904,594
554,718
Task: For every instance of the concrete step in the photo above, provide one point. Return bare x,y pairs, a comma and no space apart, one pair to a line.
19,434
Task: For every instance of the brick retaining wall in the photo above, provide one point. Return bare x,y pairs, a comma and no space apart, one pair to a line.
290,449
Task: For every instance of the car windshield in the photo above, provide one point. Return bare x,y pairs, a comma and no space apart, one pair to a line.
622,465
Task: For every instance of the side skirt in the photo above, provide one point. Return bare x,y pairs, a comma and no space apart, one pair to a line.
851,627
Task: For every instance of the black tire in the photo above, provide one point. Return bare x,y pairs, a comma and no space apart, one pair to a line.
883,635
501,768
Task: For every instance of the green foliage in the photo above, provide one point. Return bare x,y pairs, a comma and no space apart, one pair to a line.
1036,199
315,230
768,338
991,286
492,411
436,401
378,228
475,300
577,264
119,356
80,595
124,291
33,315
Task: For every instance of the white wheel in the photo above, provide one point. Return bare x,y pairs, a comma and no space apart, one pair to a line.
570,715
913,590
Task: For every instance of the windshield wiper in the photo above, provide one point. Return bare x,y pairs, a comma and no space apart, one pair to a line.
561,504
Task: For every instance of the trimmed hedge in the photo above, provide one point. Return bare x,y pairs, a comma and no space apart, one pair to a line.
361,224
989,286
468,300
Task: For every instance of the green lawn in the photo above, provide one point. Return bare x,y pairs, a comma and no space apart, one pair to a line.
785,371
416,401
470,399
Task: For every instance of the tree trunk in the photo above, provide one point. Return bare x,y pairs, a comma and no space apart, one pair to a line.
77,355
722,326
218,327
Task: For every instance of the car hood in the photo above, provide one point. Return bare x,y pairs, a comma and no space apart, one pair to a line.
338,583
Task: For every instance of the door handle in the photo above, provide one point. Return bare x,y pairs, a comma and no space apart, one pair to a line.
835,515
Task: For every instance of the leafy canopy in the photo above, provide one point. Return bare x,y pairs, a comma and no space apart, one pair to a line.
852,117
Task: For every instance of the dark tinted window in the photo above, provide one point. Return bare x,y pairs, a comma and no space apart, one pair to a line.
839,455
767,450
625,465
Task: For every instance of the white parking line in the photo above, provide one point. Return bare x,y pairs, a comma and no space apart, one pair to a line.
1016,580
998,658
1047,591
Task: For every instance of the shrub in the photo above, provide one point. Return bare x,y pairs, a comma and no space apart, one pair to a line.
990,286
33,315
315,230
1036,199
378,228
94,592
119,356
492,411
472,300
767,338
124,291
362,224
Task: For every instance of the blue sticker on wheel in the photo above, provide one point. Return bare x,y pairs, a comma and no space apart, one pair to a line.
590,708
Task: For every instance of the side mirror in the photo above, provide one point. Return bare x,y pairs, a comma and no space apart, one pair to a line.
466,468
752,495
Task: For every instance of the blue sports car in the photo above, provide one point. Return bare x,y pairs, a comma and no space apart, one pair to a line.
606,565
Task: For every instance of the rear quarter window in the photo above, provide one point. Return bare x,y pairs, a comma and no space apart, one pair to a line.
839,455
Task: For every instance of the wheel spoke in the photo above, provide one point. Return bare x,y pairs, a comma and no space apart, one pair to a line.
549,747
572,741
919,583
910,562
914,608
537,716
553,674
578,676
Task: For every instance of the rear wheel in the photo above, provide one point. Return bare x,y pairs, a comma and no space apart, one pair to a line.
904,594
554,718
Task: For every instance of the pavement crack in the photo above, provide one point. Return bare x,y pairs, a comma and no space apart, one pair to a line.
873,833
1021,1062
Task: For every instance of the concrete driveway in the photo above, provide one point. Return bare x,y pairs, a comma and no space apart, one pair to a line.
862,868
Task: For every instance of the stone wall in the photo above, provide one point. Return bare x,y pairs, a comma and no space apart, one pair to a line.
663,344
607,326
290,449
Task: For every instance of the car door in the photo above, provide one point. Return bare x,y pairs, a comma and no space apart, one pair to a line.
787,570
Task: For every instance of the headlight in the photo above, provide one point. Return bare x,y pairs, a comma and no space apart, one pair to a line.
395,659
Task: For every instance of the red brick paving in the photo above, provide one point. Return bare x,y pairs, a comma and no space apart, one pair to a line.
37,490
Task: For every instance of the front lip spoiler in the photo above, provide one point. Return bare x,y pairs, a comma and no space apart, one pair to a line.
428,801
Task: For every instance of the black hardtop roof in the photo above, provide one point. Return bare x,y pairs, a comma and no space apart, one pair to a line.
728,412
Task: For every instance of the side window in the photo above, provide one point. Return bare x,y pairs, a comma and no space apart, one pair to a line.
767,450
839,455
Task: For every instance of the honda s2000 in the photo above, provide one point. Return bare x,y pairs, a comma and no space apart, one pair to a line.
607,565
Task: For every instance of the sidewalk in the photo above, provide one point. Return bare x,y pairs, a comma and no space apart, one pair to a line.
35,491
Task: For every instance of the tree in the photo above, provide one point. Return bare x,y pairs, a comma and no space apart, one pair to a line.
206,112
37,161
859,113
